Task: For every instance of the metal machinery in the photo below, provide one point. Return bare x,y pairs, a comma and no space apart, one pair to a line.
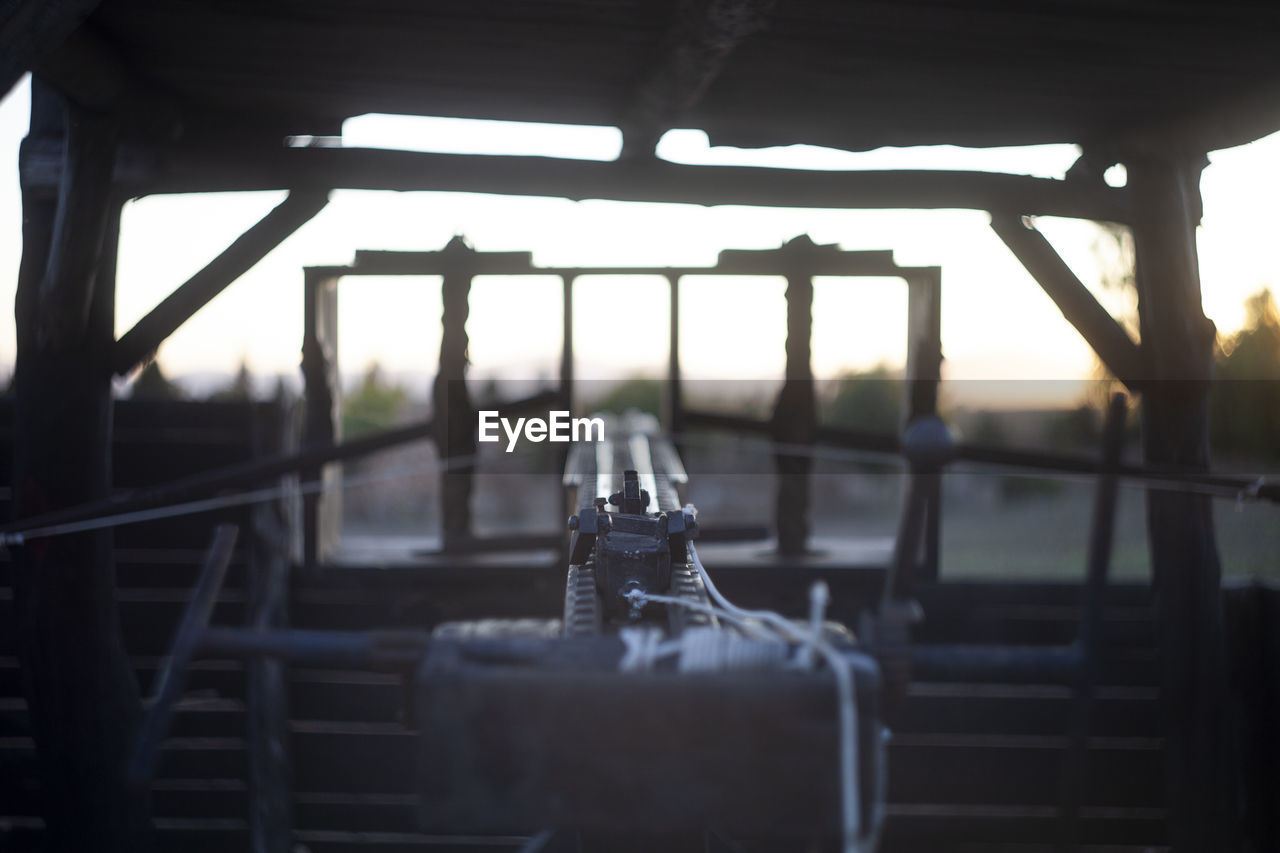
653,709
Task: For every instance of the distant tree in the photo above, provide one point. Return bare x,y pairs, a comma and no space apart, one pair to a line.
239,390
637,392
987,429
488,396
152,384
869,400
1075,429
377,403
1113,252
1245,399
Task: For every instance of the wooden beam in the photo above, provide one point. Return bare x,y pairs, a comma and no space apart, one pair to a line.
693,53
566,345
923,376
673,411
66,290
29,29
140,342
451,404
322,425
145,169
77,679
1124,358
1186,572
795,414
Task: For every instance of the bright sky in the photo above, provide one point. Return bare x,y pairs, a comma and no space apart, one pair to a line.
997,324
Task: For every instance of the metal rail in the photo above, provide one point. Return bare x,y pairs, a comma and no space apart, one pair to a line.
186,641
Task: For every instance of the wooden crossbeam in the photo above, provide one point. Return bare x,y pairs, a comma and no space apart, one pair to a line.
693,53
174,168
1109,340
250,247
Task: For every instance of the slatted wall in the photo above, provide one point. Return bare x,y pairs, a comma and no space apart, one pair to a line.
201,793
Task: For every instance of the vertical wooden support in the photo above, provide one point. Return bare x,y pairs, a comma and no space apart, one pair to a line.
79,684
322,511
455,422
795,416
923,375
566,351
1186,573
566,396
675,392
269,557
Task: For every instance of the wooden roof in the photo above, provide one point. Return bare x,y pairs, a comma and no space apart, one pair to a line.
855,75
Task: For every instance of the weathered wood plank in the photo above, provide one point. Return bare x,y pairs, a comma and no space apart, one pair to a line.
146,169
136,345
451,403
78,683
1124,358
795,412
1186,572
65,295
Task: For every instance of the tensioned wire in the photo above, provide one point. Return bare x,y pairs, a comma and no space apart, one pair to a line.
765,446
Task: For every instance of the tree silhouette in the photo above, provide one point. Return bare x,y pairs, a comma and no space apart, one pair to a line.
1245,400
869,400
376,403
239,390
152,384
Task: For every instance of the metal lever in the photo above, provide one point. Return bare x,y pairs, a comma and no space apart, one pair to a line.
172,677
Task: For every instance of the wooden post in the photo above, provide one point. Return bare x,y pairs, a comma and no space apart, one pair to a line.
795,416
566,396
566,351
675,392
923,375
455,421
321,512
79,684
1186,573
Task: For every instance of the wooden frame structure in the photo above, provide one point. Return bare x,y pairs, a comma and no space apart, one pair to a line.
795,420
119,111
1194,667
